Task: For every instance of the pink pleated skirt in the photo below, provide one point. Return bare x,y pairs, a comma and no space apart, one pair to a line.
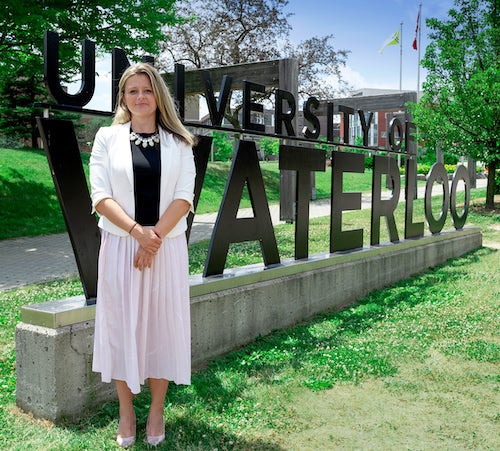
142,324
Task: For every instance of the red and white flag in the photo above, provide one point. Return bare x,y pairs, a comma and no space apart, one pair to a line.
414,45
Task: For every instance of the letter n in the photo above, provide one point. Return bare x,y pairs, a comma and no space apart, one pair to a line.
230,229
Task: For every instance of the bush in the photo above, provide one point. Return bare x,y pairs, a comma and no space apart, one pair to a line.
425,168
450,158
269,146
369,162
10,142
429,158
222,145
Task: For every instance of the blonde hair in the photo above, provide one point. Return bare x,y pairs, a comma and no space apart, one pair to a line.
166,112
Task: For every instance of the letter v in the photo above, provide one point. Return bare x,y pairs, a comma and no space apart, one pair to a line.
216,111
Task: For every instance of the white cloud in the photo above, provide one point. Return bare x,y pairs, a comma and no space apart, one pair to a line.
353,78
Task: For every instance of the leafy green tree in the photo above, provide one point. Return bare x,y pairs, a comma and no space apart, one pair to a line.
17,95
460,107
134,26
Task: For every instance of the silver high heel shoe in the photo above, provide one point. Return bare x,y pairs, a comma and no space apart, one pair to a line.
155,440
125,442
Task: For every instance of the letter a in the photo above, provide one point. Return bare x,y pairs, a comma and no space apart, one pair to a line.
228,228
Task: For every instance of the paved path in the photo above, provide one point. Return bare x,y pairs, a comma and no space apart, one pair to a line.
25,261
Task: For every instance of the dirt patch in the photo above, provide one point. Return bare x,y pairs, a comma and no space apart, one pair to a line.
477,206
491,244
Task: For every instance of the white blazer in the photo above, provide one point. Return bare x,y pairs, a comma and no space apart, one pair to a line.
111,174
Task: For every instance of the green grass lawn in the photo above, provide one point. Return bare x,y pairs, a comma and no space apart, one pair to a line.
30,206
413,366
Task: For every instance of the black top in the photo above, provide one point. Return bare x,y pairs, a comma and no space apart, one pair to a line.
146,162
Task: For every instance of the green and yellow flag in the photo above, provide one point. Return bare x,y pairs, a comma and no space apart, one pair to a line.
393,40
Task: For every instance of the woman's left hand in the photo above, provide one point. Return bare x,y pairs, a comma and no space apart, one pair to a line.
143,259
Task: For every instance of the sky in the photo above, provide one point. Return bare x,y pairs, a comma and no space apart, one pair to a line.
360,26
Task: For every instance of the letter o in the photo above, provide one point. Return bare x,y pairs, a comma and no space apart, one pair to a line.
395,124
461,173
437,173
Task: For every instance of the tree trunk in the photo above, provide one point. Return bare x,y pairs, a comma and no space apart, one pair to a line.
34,135
490,189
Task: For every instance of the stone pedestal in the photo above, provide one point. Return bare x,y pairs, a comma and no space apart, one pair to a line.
54,344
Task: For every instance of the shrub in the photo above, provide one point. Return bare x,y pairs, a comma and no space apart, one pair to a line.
10,142
369,162
429,157
425,168
222,145
269,146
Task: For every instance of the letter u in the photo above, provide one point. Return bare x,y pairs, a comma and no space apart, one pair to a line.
51,72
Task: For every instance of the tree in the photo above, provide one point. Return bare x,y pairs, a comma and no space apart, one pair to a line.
460,108
17,95
227,32
318,61
135,26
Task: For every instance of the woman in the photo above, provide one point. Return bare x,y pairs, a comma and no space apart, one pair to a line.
142,178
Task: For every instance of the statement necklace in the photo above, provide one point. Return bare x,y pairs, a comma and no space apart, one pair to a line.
144,141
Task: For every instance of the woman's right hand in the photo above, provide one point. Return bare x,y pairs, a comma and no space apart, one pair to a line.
147,238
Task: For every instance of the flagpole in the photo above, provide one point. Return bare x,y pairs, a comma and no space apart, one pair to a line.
418,57
401,57
419,31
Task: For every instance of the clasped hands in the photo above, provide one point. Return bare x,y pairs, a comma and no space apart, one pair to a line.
149,241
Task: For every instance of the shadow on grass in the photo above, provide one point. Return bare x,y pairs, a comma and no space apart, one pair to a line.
185,434
182,433
28,206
